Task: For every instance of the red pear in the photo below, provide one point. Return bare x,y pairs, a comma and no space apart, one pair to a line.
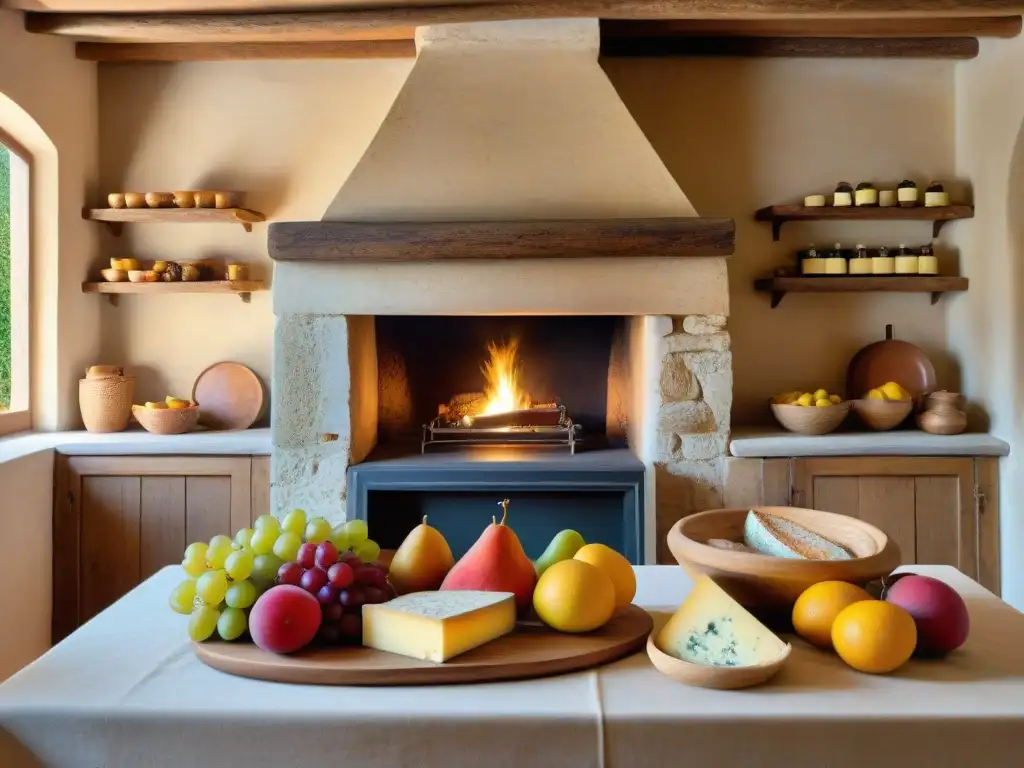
496,563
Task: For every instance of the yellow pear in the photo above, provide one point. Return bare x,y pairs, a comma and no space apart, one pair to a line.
421,562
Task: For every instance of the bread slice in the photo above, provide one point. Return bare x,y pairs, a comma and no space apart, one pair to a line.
779,537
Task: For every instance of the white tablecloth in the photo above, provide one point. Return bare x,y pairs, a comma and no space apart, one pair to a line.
125,691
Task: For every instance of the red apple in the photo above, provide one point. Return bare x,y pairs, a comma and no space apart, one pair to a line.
939,612
284,619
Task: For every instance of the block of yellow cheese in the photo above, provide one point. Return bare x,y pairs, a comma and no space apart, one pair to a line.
711,628
436,626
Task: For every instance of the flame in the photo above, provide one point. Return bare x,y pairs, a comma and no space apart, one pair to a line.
501,374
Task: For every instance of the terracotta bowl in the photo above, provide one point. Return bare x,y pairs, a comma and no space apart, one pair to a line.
811,420
772,584
881,415
166,421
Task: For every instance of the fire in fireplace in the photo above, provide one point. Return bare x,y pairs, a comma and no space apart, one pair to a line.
504,413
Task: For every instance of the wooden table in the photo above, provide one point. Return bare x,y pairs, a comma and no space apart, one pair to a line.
125,691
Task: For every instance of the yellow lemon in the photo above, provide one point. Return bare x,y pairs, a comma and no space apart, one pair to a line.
615,566
876,394
574,596
817,607
805,399
823,403
874,636
894,391
820,394
176,404
835,399
156,406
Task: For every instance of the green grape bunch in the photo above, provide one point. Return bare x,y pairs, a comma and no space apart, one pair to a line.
225,576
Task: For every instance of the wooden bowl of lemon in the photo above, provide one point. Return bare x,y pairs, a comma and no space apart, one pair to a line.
168,417
884,407
809,413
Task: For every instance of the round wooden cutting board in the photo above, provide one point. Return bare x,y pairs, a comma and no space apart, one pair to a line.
229,395
530,651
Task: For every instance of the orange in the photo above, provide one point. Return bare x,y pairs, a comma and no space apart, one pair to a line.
573,596
817,607
874,636
617,568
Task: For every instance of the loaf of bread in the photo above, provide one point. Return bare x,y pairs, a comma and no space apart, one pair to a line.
779,537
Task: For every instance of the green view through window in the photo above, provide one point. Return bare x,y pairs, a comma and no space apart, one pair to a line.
5,278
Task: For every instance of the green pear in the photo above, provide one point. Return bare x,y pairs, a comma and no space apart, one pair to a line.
564,546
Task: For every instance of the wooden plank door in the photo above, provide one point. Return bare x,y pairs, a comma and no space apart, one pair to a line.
926,505
117,520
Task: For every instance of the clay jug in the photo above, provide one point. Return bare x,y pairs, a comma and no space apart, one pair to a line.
943,414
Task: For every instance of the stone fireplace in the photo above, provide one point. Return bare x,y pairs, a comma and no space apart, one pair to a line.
507,194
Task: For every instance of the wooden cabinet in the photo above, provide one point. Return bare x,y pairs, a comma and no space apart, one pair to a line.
119,519
938,510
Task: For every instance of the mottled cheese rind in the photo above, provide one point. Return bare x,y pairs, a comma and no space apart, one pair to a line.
712,629
437,626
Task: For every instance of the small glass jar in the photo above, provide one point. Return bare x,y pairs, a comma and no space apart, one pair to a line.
861,262
812,262
882,263
906,261
927,262
835,261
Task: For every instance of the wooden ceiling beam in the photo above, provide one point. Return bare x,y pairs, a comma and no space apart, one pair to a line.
178,52
986,26
792,47
395,22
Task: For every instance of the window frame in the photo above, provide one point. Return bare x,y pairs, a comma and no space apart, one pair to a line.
19,417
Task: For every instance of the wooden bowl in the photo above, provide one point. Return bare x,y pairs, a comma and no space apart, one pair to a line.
720,678
116,200
206,198
114,275
223,199
881,415
135,199
142,276
772,584
185,199
811,420
159,199
167,421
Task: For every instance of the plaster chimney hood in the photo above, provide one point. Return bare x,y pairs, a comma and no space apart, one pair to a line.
507,141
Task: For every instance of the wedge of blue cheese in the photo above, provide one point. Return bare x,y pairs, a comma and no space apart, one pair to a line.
712,629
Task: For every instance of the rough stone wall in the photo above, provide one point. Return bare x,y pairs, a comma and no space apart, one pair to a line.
695,389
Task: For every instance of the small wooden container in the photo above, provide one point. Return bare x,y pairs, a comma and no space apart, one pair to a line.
238,272
772,584
206,199
135,199
186,199
114,275
159,199
719,678
166,421
106,403
224,199
881,415
943,414
811,420
116,200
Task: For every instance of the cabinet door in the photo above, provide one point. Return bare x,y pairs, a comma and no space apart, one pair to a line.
925,505
117,520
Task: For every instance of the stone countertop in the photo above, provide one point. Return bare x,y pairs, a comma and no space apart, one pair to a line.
773,443
138,442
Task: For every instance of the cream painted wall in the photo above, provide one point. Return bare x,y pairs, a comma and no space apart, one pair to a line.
741,134
735,134
41,75
288,133
27,488
987,323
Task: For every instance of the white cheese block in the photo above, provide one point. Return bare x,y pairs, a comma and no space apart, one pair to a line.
712,629
779,537
436,626
814,201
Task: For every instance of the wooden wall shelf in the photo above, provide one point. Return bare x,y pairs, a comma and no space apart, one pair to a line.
241,288
115,218
778,215
936,285
674,237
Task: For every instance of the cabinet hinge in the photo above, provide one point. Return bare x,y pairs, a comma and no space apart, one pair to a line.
979,500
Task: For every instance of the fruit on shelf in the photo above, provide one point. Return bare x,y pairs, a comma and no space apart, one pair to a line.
820,397
939,612
437,626
183,597
574,596
615,566
495,563
891,390
712,629
816,609
421,561
874,636
284,619
563,546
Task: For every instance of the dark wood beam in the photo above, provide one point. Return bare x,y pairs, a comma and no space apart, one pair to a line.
793,47
987,26
556,239
348,49
394,21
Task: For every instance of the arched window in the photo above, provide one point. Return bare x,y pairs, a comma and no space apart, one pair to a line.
14,289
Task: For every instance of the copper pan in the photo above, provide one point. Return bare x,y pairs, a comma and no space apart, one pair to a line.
890,360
